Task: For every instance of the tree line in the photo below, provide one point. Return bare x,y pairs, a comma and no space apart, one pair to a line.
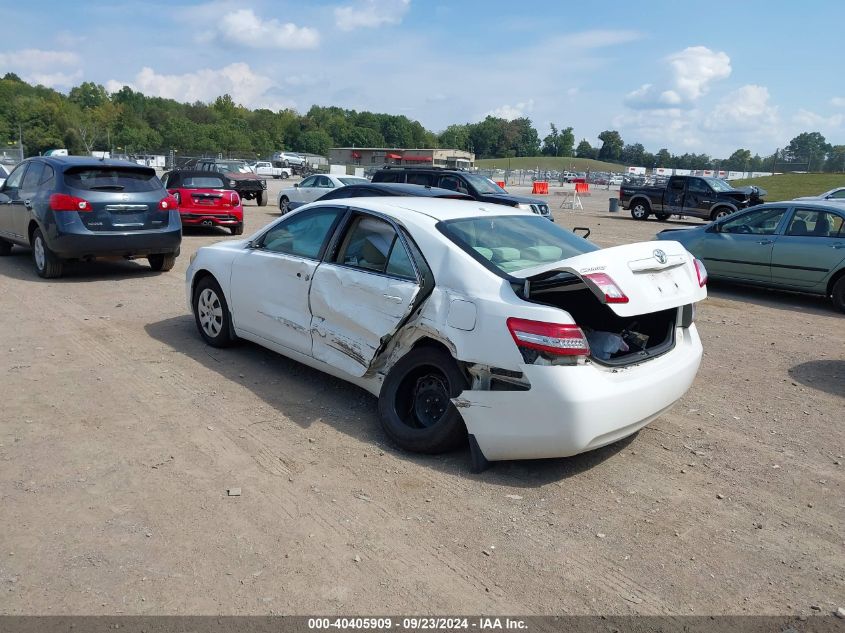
89,118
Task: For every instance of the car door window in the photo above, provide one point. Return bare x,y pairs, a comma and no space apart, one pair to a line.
812,223
453,184
426,180
676,185
757,222
372,244
13,182
32,177
47,176
304,234
697,185
324,182
311,181
837,195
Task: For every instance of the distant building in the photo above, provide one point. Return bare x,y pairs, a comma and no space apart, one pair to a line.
369,156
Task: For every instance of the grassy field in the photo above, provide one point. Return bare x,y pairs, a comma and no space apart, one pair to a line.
556,163
789,186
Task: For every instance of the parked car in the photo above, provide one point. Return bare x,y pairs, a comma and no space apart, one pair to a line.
794,245
616,179
266,168
388,189
833,194
480,188
464,317
312,188
239,177
289,159
205,200
73,207
707,198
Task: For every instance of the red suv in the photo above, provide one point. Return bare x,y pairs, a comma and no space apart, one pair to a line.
204,200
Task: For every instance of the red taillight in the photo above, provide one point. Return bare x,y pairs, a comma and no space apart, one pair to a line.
64,202
612,292
177,197
552,338
234,199
167,203
700,272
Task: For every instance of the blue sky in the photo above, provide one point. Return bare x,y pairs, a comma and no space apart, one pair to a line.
700,77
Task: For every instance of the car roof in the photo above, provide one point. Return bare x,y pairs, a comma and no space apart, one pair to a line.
406,189
85,161
439,209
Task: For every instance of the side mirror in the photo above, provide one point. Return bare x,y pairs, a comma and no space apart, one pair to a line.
296,184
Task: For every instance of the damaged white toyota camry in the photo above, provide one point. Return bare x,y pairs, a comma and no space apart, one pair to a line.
464,318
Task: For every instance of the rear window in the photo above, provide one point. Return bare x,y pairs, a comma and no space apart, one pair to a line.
512,243
126,179
203,182
354,181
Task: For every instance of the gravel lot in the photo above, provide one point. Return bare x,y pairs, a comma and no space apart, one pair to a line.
121,432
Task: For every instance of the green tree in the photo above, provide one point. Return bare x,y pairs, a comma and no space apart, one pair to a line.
809,147
664,158
559,143
738,161
611,148
585,150
835,159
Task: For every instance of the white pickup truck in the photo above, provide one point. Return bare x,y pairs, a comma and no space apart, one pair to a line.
265,168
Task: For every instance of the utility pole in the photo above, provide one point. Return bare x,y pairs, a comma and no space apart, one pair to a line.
774,159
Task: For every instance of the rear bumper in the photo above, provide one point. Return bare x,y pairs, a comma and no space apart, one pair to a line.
195,217
72,240
571,410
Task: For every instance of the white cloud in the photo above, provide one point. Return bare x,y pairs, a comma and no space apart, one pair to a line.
746,108
40,66
690,73
244,28
813,121
238,80
511,112
370,14
838,102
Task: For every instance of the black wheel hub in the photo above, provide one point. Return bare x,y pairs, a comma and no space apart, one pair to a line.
431,400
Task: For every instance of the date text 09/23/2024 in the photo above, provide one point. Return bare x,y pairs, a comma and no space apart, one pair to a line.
417,623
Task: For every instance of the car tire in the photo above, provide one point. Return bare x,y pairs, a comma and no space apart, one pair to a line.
5,248
162,262
640,211
662,216
238,229
284,205
262,199
211,313
415,407
720,213
838,294
47,264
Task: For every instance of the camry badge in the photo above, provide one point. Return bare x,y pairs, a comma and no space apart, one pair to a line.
660,256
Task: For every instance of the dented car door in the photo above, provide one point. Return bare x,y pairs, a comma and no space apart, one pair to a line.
362,296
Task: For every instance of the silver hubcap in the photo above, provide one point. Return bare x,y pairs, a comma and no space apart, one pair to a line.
38,250
210,312
639,211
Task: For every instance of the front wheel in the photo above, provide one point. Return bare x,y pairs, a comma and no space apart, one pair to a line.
284,205
211,313
720,213
47,264
640,211
262,199
415,407
162,262
838,294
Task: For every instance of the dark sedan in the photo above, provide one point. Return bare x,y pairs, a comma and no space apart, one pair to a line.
71,208
383,189
795,245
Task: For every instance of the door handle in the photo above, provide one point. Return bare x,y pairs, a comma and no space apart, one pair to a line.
393,298
304,277
27,204
765,242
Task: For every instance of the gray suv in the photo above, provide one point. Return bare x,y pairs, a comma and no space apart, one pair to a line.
74,207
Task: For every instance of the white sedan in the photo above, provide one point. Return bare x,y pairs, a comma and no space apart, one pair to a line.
313,187
464,319
837,194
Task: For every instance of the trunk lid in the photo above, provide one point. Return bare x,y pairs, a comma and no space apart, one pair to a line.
204,200
653,276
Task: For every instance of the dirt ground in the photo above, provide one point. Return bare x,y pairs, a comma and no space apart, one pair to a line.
121,432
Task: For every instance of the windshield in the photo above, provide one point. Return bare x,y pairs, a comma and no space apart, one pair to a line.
233,166
353,181
718,184
483,185
511,243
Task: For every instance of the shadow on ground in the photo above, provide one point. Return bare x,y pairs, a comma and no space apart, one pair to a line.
306,396
825,375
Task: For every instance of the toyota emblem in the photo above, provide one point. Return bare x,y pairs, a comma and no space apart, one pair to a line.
660,256
124,197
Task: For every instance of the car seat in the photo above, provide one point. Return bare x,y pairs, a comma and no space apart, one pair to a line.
799,227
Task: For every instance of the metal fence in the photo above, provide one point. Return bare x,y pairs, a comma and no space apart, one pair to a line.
11,155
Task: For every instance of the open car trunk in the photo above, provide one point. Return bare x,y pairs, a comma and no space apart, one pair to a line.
652,286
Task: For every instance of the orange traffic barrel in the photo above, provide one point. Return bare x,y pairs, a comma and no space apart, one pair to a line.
501,183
